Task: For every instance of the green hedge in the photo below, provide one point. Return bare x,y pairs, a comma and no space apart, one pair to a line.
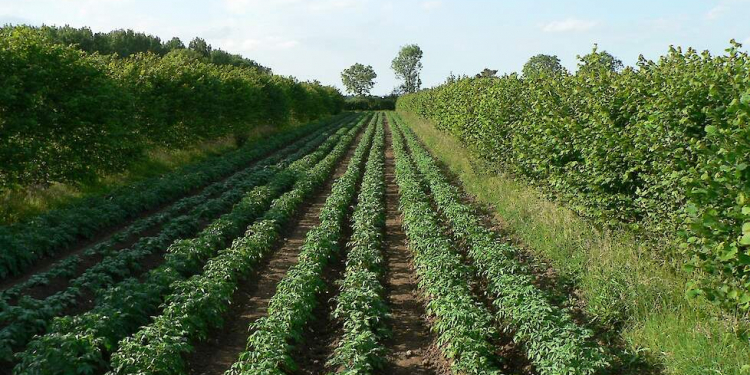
370,103
663,147
67,116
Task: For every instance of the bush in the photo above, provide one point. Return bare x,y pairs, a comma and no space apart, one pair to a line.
68,116
663,147
371,103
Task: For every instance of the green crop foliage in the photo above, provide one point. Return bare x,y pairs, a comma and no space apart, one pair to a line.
464,326
361,306
270,345
554,343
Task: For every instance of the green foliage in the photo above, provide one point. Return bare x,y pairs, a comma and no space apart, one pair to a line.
661,148
68,116
371,103
125,306
359,79
361,306
554,343
291,307
542,64
464,327
487,73
407,66
599,61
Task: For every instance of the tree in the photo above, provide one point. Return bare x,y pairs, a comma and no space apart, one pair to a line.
173,44
201,46
487,73
542,64
359,79
599,62
407,66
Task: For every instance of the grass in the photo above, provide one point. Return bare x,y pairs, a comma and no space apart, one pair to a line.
626,290
25,202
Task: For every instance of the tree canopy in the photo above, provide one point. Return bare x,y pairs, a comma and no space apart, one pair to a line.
407,66
542,64
359,79
599,61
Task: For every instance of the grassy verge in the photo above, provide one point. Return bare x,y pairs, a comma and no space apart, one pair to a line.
25,202
623,287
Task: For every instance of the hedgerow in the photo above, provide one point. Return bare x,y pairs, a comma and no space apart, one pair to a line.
663,147
70,116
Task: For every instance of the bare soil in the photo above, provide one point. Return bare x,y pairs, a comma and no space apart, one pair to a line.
411,349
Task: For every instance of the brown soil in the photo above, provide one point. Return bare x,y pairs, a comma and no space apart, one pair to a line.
411,348
222,348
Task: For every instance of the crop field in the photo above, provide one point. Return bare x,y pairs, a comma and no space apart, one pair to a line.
180,208
340,247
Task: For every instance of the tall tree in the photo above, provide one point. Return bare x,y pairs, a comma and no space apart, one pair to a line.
359,79
597,61
487,73
173,44
407,66
542,64
201,46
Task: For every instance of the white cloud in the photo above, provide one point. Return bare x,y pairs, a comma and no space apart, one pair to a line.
569,24
717,11
431,4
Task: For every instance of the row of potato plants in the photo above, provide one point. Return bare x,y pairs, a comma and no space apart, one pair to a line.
360,305
197,304
83,341
465,328
554,343
65,268
32,316
25,243
270,345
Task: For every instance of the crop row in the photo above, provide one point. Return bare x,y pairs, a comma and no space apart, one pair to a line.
554,343
31,316
360,304
65,269
196,304
464,326
77,343
291,307
25,243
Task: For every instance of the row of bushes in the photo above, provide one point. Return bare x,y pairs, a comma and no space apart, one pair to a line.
67,116
370,103
663,146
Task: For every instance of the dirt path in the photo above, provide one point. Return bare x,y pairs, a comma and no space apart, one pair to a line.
223,346
411,349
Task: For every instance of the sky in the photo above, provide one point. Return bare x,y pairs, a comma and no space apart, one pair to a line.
317,39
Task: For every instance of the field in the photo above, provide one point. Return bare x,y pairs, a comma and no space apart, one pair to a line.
346,250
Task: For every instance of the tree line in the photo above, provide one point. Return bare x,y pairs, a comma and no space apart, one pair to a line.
73,107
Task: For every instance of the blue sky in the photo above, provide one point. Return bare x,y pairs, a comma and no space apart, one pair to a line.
316,39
